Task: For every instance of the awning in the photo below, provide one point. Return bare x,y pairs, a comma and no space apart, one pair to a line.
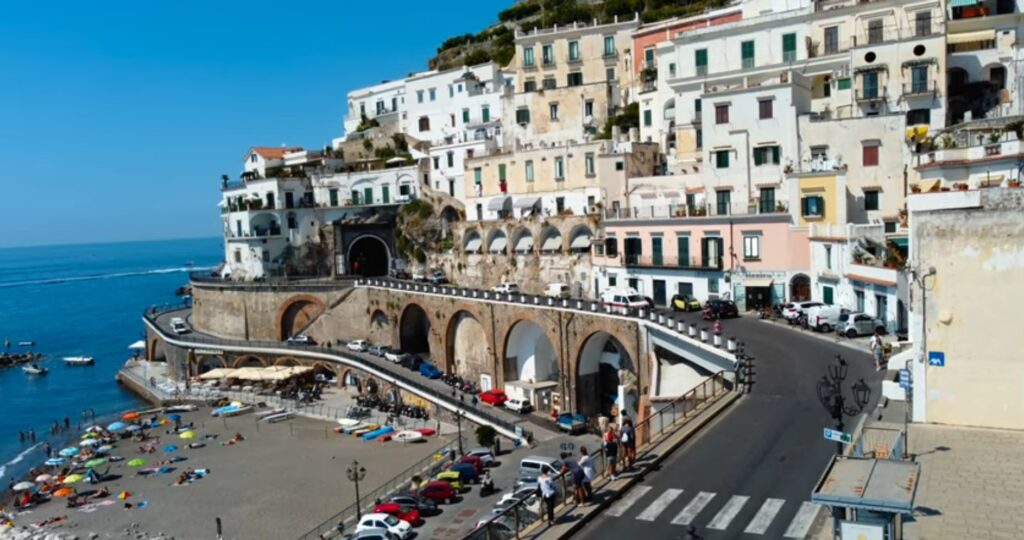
928,186
498,244
581,241
968,37
219,373
498,203
525,202
695,189
962,3
758,282
524,244
991,180
473,244
900,241
875,281
552,243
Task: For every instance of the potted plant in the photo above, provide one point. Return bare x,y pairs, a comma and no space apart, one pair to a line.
915,189
780,208
1013,183
961,186
1017,128
994,137
948,142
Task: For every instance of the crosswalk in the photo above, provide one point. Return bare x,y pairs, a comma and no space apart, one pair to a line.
699,505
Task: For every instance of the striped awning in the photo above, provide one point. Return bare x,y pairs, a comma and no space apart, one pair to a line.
962,3
498,244
526,202
552,243
474,244
968,37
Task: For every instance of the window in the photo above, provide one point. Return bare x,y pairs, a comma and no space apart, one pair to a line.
529,85
747,53
528,56
394,104
683,250
437,162
433,94
574,51
612,281
875,31
700,137
831,40
523,116
588,107
546,55
723,199
721,159
501,173
691,204
465,116
553,111
871,199
611,248
700,60
696,109
923,23
620,166
766,204
424,123
451,91
672,69
647,118
919,116
588,163
574,79
419,96
843,84
477,176
559,168
548,83
869,152
766,155
451,159
485,113
860,301
529,170
870,84
333,194
890,227
827,295
609,45
609,74
380,107
452,116
828,256
826,87
721,114
751,247
764,108
238,255
560,204
919,79
789,47
649,57
362,109
812,206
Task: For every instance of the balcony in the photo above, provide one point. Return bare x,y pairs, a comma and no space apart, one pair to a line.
671,261
872,95
920,88
988,147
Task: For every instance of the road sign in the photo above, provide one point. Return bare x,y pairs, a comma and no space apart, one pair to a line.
905,378
838,436
936,359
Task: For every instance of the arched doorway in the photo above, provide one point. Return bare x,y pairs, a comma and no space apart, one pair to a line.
368,256
296,314
207,363
248,361
156,351
605,378
449,215
530,364
466,347
471,241
800,288
497,241
414,330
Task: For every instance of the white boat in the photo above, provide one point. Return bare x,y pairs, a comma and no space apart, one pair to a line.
236,411
78,360
26,343
349,422
184,407
279,417
407,436
269,412
33,369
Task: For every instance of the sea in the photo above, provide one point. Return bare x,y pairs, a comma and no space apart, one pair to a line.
79,300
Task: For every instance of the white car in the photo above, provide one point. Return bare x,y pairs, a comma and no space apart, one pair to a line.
518,405
178,325
301,339
359,345
393,356
792,312
485,455
506,288
395,526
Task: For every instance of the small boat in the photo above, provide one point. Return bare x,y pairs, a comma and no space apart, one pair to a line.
26,343
269,412
377,433
236,411
184,407
33,369
365,430
407,436
221,411
426,432
279,417
348,422
78,360
348,430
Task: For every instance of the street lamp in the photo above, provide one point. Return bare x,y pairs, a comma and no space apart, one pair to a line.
355,473
458,422
830,394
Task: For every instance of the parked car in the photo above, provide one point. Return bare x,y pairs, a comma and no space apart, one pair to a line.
438,491
530,468
359,345
506,288
372,534
624,299
852,325
178,326
467,473
494,397
393,356
685,302
454,479
557,290
476,462
824,318
377,350
301,339
722,309
509,500
437,278
425,506
405,513
430,371
792,312
411,362
393,525
520,406
485,455
419,276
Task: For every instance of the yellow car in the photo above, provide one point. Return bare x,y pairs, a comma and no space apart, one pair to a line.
685,302
453,479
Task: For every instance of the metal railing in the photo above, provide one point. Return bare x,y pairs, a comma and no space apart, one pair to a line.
672,261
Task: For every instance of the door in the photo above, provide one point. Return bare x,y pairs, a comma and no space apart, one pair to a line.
634,284
827,295
656,251
385,194
289,199
368,195
659,292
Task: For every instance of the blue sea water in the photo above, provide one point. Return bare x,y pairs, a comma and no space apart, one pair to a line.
79,300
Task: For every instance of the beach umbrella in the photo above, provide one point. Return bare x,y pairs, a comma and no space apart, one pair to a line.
116,426
174,417
89,442
43,478
164,422
188,435
22,486
134,427
89,435
70,451
129,416
93,463
93,429
63,492
123,495
53,462
170,448
72,478
104,449
137,462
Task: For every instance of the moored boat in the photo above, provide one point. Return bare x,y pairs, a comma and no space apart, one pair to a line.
184,407
235,411
26,343
407,436
33,369
269,412
78,360
279,417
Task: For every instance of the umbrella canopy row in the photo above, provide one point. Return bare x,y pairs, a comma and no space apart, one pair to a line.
272,373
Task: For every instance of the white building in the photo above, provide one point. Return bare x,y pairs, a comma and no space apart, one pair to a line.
449,106
384,102
394,185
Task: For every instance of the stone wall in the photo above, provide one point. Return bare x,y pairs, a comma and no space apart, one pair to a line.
254,312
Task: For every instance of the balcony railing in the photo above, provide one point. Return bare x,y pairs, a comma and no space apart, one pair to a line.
672,261
920,88
868,95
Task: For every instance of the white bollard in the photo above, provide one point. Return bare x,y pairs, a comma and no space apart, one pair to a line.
704,335
661,319
692,330
680,327
718,340
730,344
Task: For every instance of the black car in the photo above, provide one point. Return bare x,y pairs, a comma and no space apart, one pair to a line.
722,309
425,506
411,361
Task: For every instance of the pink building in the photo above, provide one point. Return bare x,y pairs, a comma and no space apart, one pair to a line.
752,259
648,36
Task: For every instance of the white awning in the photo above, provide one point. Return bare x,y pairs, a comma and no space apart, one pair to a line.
498,203
473,244
525,202
525,243
580,242
552,243
758,282
498,244
968,37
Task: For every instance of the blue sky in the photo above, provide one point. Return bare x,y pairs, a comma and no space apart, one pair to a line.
118,118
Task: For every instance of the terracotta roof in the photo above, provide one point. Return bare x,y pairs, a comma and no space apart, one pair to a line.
273,152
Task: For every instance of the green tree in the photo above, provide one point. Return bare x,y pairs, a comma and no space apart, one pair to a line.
486,435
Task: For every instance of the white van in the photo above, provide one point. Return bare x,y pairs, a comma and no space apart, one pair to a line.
506,288
623,300
557,290
178,325
823,318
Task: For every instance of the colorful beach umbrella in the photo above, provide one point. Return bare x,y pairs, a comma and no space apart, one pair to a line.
104,449
123,495
53,462
22,486
137,462
170,448
116,426
63,492
72,478
93,429
129,416
43,478
188,435
93,463
134,427
70,451
89,442
174,417
89,435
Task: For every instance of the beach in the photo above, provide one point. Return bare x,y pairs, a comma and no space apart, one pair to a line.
277,483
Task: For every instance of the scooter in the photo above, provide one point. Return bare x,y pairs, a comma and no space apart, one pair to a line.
487,486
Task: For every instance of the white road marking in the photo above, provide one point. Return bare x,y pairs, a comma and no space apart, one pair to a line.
659,505
802,521
698,503
627,500
763,519
728,512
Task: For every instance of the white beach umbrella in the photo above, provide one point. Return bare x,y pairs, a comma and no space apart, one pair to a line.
22,486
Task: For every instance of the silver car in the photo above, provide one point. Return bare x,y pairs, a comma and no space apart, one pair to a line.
852,325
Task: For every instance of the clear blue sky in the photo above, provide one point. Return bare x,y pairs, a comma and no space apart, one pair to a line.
118,118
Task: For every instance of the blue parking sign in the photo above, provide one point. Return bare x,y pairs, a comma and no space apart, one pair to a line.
936,358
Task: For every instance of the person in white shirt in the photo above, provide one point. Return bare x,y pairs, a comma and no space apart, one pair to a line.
547,492
876,350
587,464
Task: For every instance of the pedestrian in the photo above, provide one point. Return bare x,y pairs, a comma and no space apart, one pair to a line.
32,435
611,450
628,437
587,464
876,349
547,492
474,401
718,327
21,436
571,468
48,449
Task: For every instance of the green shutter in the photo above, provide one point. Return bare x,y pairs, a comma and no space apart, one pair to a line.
758,156
385,194
465,116
747,52
789,47
368,196
683,250
701,57
775,155
843,84
827,293
485,114
722,159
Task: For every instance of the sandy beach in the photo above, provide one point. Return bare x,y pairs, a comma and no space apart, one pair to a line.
277,483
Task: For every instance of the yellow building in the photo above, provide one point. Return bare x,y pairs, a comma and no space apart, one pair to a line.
818,198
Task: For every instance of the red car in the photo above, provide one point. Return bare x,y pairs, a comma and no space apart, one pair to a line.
438,491
494,397
477,463
407,514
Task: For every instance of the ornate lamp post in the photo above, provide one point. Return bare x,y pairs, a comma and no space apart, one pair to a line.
830,394
355,473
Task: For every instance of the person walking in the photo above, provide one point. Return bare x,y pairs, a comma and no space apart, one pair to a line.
718,327
876,349
571,468
547,492
611,450
48,449
628,437
587,464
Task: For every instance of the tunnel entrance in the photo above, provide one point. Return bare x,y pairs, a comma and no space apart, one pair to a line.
368,256
606,380
414,330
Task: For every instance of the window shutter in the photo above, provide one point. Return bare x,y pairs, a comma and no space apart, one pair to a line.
775,155
758,156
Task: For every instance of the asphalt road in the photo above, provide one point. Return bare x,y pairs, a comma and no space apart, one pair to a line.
753,470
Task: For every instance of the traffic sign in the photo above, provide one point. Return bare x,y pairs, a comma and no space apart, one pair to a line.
838,436
905,378
936,359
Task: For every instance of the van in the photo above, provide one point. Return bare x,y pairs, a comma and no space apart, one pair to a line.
506,288
623,300
178,325
557,290
532,466
823,318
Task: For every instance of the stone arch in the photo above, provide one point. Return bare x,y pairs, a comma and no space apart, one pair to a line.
323,371
550,240
606,376
286,361
467,346
414,330
264,223
471,241
206,363
799,288
497,241
522,241
156,351
248,360
296,313
368,256
529,353
449,214
579,239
